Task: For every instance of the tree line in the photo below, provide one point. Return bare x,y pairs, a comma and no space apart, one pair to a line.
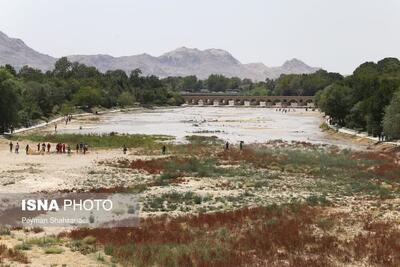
29,95
369,99
286,84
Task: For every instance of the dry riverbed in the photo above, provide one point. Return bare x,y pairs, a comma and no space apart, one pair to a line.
271,204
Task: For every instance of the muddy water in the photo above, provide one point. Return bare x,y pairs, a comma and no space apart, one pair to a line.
233,124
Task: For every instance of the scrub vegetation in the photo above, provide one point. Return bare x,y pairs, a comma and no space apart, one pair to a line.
275,204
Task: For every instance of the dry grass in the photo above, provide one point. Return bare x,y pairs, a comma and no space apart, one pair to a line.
265,236
12,255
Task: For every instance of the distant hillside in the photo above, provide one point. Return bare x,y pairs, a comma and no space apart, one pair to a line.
180,62
16,53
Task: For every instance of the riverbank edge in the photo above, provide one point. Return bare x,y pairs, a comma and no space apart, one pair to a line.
76,115
346,131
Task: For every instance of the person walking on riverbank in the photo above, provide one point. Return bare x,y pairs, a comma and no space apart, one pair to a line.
124,149
48,147
38,147
17,148
27,149
55,127
227,146
11,146
77,148
241,145
85,149
163,149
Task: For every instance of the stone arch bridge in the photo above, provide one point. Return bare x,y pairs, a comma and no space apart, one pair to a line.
239,100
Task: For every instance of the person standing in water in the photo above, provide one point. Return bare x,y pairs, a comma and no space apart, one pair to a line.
11,146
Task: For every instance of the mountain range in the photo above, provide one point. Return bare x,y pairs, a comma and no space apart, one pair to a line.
180,62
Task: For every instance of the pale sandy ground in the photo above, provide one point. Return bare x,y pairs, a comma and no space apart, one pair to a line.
32,173
21,173
85,121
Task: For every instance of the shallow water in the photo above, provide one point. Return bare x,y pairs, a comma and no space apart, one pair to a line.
232,124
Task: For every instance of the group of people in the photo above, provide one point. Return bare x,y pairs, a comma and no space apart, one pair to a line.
16,149
241,144
68,118
61,148
42,148
284,110
82,148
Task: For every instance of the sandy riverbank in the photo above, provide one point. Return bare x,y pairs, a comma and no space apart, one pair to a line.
51,171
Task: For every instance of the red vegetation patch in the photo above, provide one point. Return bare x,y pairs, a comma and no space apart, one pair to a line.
153,166
273,236
386,163
248,155
380,245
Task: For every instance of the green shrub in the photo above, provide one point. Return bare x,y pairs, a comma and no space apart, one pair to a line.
53,250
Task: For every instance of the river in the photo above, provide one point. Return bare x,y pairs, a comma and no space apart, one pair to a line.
233,124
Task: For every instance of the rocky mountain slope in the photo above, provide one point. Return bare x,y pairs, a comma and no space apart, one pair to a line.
180,62
16,53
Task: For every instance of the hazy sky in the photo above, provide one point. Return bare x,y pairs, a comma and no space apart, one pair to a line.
337,35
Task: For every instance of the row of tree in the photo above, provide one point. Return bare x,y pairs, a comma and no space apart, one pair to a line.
29,94
286,84
369,99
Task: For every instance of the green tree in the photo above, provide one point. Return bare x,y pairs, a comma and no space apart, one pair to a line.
190,83
30,74
126,99
66,108
62,68
87,97
9,102
217,83
335,102
391,120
